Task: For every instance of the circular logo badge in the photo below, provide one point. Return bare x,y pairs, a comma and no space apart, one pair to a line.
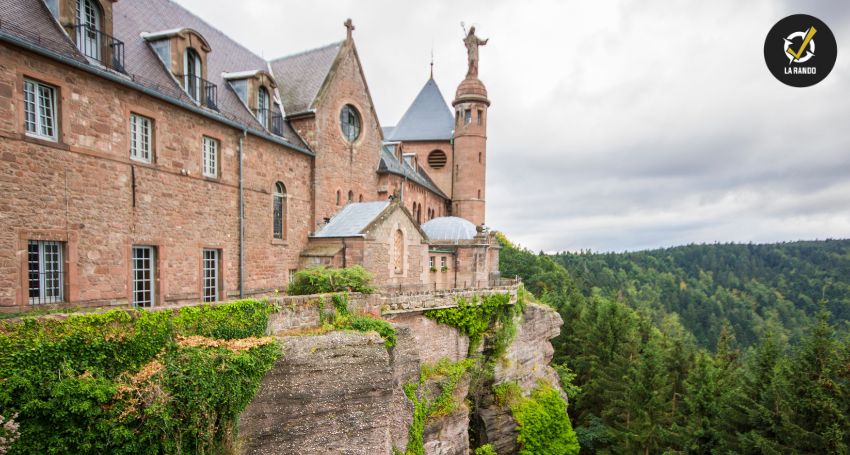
800,50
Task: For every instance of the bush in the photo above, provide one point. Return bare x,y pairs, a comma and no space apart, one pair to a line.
474,318
322,280
543,423
486,449
128,382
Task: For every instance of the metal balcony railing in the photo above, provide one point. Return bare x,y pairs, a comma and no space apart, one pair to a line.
96,45
271,120
200,90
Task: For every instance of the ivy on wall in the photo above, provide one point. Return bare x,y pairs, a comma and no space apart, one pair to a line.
134,382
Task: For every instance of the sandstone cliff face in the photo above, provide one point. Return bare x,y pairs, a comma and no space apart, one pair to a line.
526,362
342,393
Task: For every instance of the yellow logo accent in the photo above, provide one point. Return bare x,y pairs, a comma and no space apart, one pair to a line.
796,55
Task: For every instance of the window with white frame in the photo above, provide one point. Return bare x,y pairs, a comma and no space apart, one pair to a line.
46,271
211,268
141,134
143,275
210,157
431,262
279,215
40,110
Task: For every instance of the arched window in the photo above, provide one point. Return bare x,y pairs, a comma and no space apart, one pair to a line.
88,28
192,77
349,120
398,250
279,211
263,103
338,196
361,198
350,196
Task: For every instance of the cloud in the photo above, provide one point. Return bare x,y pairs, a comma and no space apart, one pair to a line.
615,125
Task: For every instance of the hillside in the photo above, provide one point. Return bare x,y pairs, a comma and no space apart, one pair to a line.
748,286
640,382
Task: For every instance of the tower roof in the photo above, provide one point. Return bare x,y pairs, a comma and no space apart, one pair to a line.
428,118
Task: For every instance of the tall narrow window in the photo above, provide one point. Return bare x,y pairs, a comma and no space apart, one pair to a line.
192,77
211,275
210,157
144,263
88,28
360,199
467,116
349,120
398,247
141,128
480,116
39,110
279,211
350,196
263,106
338,197
46,271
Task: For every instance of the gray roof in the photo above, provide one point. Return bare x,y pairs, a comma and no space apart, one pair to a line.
389,163
428,118
449,228
352,219
300,76
31,22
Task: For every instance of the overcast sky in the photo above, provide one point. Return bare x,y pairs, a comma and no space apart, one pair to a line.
615,125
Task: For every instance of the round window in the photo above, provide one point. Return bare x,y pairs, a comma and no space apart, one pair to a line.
437,159
349,120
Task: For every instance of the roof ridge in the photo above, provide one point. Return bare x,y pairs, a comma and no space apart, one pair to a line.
300,53
215,29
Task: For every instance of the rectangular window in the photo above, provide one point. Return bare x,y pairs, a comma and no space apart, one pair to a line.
480,116
144,263
431,262
210,157
46,271
141,132
211,273
467,116
442,262
39,110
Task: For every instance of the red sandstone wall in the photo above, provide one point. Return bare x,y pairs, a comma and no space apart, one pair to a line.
442,177
81,190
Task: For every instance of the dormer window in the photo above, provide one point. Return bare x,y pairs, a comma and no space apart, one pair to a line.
184,52
192,84
88,32
255,89
263,104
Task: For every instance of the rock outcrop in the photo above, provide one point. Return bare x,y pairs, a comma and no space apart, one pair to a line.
342,392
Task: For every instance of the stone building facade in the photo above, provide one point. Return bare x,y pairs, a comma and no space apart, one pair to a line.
148,159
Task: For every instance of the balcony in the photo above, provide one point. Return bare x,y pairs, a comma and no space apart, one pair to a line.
99,46
271,120
200,90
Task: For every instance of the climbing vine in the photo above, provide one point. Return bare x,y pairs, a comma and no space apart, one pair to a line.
341,318
133,382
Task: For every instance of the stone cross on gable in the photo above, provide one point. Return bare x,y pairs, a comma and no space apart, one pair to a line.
349,25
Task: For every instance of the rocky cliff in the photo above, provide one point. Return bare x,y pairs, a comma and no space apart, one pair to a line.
343,392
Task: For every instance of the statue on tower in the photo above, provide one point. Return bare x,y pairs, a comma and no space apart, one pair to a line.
472,42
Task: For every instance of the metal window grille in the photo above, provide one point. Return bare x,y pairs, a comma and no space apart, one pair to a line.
46,271
144,272
279,210
210,157
39,109
140,138
211,272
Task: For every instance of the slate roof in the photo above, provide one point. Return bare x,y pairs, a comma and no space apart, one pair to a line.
132,17
300,76
428,118
352,219
30,22
449,228
390,164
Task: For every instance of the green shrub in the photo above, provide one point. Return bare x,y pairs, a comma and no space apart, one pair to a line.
486,449
322,280
341,318
448,374
543,424
507,393
474,318
124,382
